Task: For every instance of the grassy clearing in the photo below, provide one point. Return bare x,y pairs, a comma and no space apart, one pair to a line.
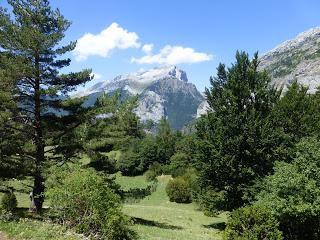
33,229
21,190
157,218
127,183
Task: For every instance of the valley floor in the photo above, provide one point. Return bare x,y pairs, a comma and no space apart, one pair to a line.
156,218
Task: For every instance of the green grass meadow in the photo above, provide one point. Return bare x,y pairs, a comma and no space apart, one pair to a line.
153,218
157,218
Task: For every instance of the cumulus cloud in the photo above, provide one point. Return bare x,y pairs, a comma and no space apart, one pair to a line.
147,48
173,55
113,37
96,76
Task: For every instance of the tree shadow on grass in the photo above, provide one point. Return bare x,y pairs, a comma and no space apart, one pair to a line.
23,212
146,222
219,226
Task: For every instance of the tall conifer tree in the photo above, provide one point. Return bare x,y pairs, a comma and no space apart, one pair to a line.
31,35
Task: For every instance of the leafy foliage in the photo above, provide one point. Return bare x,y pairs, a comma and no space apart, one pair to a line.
178,164
9,202
151,150
82,199
40,113
297,115
178,191
211,201
252,223
292,193
237,142
111,125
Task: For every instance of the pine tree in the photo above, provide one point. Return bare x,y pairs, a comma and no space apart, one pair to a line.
113,125
31,35
12,141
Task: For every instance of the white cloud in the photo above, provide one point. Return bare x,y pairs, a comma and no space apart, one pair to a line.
147,48
113,37
96,76
173,55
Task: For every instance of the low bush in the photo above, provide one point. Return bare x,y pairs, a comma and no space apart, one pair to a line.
83,199
178,191
211,201
9,202
252,223
156,170
190,175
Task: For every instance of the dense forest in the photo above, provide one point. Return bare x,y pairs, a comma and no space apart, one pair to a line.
255,154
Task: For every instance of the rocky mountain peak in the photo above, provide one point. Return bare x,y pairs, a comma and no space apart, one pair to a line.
295,59
298,42
154,74
163,92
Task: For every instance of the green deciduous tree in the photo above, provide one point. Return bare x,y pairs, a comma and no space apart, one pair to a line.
297,115
292,193
237,142
31,36
166,140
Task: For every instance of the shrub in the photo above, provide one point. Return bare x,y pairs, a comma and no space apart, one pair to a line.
101,162
292,193
7,216
156,170
252,223
9,202
211,201
178,191
178,163
151,175
191,177
81,198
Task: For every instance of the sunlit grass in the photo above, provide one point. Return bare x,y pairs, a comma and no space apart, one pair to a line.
127,183
37,230
158,218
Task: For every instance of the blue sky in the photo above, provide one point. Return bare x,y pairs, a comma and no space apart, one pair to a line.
194,34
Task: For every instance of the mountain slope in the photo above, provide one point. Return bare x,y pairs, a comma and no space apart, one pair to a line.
163,92
298,59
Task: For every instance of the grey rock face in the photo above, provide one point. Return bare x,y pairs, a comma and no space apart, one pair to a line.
151,107
163,92
296,59
203,108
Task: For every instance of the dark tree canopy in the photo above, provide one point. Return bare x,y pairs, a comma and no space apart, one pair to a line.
40,111
237,142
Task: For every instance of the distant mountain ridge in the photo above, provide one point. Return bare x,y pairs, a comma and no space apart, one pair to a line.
163,92
295,59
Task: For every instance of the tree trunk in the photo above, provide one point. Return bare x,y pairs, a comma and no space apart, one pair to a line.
38,193
38,187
